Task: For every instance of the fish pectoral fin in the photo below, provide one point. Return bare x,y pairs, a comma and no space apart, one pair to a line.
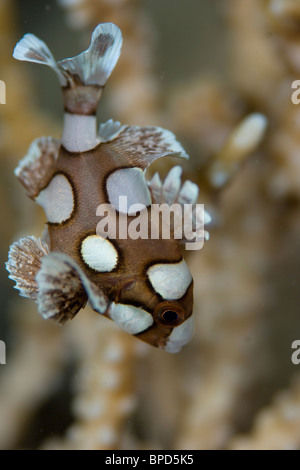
63,289
36,169
140,146
24,261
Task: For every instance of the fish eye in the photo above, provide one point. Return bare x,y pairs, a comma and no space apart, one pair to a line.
169,314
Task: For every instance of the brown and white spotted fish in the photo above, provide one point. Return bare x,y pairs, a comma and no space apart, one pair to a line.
143,284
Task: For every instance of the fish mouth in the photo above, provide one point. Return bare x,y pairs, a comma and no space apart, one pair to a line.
180,336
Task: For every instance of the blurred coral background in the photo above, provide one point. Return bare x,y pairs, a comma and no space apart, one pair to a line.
203,70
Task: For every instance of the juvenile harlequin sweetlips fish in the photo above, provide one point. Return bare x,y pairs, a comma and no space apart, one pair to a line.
144,285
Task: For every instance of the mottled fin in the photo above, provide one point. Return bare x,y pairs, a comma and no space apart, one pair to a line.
171,186
63,289
172,192
32,49
24,262
83,76
36,169
60,291
140,146
94,66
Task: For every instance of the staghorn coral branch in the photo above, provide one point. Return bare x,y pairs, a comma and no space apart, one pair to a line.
105,385
241,143
277,427
34,366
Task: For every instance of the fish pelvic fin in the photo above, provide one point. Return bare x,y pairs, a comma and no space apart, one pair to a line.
63,289
24,262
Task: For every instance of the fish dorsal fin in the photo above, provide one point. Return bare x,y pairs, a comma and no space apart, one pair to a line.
140,146
82,77
171,191
134,149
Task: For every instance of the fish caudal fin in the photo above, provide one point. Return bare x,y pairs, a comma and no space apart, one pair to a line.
82,77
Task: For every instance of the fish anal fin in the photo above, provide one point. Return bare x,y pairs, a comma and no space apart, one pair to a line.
36,169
